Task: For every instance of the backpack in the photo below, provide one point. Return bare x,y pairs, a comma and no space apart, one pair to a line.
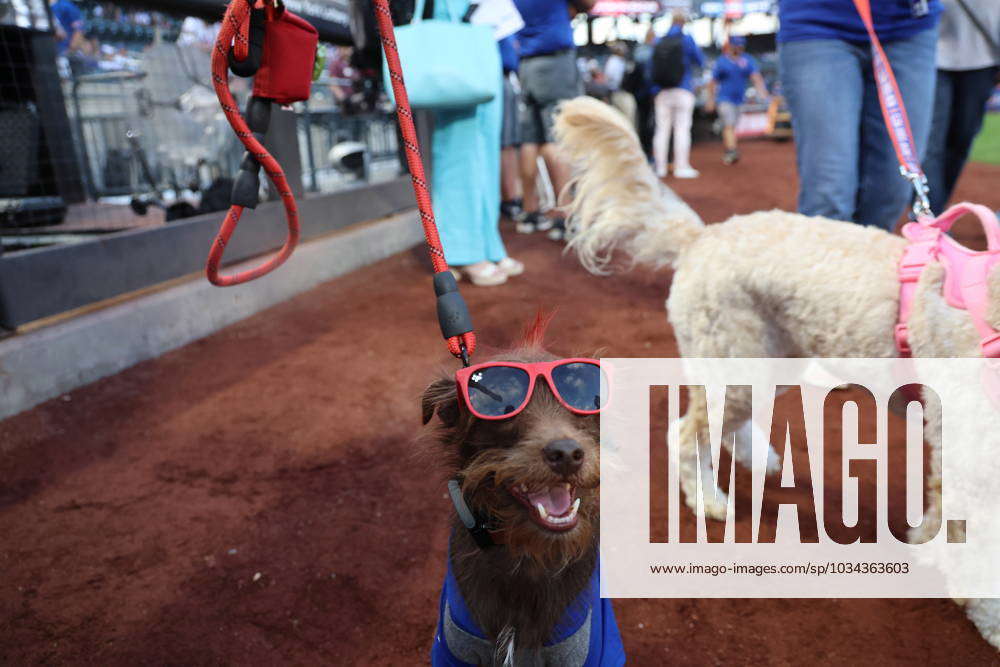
668,61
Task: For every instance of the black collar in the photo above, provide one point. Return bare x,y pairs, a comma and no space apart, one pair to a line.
477,526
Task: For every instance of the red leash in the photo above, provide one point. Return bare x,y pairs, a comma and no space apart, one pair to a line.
235,34
236,26
452,313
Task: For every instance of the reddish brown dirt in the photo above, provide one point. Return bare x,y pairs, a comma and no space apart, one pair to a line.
138,512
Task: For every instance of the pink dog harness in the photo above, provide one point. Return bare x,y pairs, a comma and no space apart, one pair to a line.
966,271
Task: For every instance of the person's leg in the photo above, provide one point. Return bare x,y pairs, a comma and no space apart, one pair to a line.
683,107
559,171
510,140
510,178
457,207
529,176
823,85
972,89
490,118
937,142
882,194
729,115
532,135
532,220
552,79
729,134
662,135
647,123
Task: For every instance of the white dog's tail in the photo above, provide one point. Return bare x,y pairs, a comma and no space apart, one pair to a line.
617,201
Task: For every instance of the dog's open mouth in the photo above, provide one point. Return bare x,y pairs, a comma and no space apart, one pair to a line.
553,508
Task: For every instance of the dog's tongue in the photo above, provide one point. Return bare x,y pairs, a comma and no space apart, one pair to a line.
555,499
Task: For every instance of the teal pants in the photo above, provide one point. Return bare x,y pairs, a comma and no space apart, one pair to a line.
465,179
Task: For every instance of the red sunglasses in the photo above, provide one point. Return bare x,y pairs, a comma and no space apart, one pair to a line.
501,389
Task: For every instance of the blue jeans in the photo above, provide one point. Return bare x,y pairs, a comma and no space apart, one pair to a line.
847,165
959,105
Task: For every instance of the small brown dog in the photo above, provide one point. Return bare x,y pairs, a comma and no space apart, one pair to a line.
519,436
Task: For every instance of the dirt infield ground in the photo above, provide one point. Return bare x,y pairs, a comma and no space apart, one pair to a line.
254,497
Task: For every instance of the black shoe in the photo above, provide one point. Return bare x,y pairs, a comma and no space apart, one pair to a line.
558,231
511,209
533,222
731,157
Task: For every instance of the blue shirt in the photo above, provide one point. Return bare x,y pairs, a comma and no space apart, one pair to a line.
733,76
70,19
508,53
838,19
692,58
546,27
605,646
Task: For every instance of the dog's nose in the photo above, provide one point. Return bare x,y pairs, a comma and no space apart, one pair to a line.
564,456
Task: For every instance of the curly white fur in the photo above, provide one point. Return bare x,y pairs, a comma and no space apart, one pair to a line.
769,284
635,214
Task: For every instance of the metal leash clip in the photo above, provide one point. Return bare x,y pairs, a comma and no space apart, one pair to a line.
921,203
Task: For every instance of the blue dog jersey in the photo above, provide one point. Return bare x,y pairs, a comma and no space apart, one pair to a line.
586,635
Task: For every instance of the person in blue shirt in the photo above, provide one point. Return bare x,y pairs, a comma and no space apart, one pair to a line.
548,75
674,108
69,20
733,70
846,162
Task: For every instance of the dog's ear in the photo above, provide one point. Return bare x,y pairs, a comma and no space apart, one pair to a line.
441,397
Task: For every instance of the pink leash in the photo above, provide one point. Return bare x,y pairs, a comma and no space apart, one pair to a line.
967,271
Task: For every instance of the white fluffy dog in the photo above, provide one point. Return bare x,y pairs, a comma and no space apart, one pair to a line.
769,284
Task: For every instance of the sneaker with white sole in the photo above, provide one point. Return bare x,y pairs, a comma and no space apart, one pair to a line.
533,222
511,266
558,231
483,274
686,172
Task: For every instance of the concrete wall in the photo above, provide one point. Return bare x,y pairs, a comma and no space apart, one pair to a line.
54,359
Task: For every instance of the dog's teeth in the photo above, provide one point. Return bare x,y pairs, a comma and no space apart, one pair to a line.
541,511
576,505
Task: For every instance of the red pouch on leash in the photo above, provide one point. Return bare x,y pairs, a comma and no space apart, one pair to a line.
286,69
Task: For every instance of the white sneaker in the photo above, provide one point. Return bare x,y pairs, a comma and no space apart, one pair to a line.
686,172
511,266
483,274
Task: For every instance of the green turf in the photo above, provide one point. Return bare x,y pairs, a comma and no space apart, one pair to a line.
987,146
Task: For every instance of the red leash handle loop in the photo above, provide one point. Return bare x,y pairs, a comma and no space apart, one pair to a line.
462,345
235,26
